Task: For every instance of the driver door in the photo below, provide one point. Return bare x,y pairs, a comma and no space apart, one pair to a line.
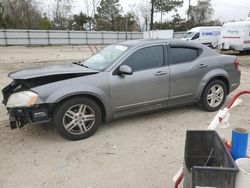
147,88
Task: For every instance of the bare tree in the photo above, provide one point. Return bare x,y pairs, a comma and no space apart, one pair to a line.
13,10
90,6
141,13
21,14
61,13
1,15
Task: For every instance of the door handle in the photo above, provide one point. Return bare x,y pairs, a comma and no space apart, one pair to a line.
159,73
202,65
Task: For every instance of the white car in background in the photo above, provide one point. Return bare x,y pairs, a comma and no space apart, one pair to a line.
206,35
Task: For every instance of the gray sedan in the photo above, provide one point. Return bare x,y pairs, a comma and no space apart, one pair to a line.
120,80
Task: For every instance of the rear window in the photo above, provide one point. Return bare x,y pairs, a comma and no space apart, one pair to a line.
183,54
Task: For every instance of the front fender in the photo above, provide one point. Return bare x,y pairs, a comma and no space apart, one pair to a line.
68,91
208,77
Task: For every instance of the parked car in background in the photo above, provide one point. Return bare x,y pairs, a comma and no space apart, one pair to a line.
120,80
208,35
235,36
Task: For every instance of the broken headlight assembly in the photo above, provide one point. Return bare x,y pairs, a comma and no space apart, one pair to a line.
22,99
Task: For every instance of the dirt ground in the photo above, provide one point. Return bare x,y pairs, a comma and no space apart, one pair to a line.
142,151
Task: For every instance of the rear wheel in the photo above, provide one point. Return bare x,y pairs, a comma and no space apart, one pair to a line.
77,118
213,96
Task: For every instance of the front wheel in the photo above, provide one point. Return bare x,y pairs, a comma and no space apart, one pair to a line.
213,96
77,118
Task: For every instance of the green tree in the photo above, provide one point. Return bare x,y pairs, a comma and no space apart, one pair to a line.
126,23
162,6
132,24
177,24
79,21
45,23
107,13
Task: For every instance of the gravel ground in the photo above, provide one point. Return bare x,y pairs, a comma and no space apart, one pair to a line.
140,151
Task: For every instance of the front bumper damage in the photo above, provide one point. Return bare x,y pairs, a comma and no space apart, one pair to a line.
27,79
19,117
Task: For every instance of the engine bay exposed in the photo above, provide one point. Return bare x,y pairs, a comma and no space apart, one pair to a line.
18,85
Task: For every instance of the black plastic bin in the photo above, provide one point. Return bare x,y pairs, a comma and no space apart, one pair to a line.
207,161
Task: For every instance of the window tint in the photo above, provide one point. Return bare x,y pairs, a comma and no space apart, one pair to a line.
146,58
181,55
196,36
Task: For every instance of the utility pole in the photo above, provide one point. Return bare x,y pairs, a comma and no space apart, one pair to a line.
188,12
152,15
126,27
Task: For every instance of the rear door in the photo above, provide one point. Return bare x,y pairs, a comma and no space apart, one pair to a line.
147,87
187,71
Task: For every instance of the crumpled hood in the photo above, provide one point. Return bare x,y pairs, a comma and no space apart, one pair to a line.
50,70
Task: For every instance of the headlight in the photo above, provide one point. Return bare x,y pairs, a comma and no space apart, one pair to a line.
22,99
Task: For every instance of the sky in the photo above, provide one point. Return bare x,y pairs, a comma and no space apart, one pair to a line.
225,10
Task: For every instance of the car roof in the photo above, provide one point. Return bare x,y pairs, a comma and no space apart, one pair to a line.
174,42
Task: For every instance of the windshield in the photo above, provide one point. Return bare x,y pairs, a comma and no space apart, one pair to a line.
105,57
188,35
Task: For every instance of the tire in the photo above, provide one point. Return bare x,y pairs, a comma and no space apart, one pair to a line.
213,96
77,118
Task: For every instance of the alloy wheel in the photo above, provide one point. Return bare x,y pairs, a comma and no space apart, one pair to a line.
79,119
215,95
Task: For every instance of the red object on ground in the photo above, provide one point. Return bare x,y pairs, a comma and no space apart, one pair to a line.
178,181
235,97
228,144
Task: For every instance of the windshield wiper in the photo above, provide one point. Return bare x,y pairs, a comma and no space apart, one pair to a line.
76,62
80,64
84,66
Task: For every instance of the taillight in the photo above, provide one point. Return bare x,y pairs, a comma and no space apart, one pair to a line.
237,63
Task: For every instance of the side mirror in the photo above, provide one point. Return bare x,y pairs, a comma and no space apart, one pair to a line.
125,70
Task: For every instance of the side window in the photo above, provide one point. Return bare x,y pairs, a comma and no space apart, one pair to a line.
146,58
182,54
196,36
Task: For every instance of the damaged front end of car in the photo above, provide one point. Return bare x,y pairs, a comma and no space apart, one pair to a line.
22,105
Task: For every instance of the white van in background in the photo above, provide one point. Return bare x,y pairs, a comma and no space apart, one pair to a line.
235,36
208,35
